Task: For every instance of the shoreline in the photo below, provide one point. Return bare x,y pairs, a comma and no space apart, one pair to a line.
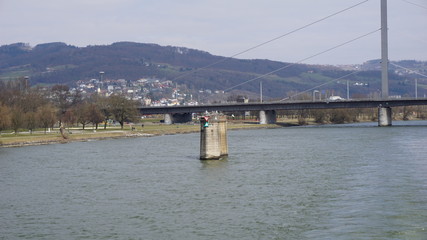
149,130
161,130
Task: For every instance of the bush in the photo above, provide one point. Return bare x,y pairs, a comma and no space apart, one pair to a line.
302,121
339,116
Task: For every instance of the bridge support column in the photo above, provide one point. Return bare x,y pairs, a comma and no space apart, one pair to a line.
267,117
177,118
384,116
213,138
168,118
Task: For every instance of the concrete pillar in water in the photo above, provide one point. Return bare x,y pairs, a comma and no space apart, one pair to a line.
213,138
222,128
267,117
384,116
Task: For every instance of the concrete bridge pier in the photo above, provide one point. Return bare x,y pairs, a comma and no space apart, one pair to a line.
168,118
171,118
384,116
267,117
213,138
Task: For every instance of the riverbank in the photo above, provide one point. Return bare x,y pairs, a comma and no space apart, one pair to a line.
148,129
78,135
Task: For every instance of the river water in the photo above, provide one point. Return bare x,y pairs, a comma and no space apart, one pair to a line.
330,182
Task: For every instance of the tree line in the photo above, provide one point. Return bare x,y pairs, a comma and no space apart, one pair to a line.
22,107
352,115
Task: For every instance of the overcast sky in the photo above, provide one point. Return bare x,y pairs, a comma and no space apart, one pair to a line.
225,27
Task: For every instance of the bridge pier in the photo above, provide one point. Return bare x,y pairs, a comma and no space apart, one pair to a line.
267,117
171,118
213,138
384,116
168,119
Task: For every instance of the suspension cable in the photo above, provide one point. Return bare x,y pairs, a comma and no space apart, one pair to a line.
415,4
347,75
407,69
302,60
269,41
308,90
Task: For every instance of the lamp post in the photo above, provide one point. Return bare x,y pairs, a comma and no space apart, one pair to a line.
416,88
348,90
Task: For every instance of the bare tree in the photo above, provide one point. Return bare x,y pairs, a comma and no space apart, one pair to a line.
82,114
64,99
320,115
339,116
69,117
17,119
122,109
102,104
30,100
5,117
30,121
46,116
95,115
407,112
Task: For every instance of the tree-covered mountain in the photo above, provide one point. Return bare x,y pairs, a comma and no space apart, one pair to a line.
59,63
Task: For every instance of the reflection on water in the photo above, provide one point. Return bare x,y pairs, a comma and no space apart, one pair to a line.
328,182
213,164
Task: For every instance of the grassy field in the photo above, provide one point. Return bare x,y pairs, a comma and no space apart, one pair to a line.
38,137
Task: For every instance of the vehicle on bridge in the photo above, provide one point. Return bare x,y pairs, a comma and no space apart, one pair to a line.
335,98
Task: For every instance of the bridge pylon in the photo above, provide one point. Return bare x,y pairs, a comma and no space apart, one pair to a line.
384,50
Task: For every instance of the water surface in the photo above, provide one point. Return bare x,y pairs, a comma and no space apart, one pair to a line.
352,181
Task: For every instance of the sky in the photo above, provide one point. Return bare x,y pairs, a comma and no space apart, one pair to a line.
226,27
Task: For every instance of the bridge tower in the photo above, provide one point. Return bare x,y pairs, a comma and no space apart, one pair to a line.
384,113
384,50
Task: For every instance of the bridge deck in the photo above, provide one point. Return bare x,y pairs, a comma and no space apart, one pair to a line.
233,107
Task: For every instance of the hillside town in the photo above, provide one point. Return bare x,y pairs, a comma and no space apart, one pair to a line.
147,91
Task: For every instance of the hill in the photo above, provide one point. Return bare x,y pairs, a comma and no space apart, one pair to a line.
59,63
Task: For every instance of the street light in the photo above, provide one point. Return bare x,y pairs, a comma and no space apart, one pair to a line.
416,88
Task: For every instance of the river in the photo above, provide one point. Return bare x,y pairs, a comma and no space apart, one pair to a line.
353,181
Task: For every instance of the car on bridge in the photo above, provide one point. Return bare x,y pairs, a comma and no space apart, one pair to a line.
335,98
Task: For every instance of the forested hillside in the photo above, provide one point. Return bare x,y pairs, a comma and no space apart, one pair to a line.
59,63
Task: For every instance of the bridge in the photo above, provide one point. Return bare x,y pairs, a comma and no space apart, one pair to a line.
267,110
